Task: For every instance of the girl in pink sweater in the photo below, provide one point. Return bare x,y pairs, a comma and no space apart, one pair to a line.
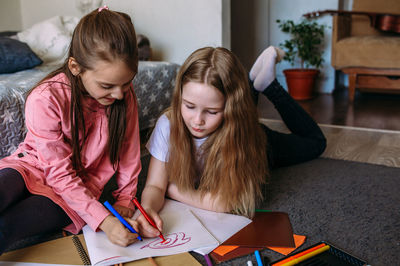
82,128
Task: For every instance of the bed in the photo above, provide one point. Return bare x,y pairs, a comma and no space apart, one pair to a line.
153,87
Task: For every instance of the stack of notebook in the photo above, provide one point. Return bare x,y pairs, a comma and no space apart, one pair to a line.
271,230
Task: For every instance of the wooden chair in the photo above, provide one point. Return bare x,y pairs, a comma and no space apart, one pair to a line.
370,57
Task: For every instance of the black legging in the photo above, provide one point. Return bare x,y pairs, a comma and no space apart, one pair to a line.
306,140
23,214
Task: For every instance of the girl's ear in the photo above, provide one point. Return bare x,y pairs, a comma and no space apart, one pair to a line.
73,66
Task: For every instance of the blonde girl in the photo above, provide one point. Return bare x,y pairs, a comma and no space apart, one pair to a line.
209,150
78,137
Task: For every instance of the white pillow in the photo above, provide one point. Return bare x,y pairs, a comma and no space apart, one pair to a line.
50,39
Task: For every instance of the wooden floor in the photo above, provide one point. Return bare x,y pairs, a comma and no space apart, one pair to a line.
376,146
369,110
366,131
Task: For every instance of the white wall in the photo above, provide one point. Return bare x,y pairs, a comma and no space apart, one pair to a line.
175,27
284,10
38,10
347,4
254,28
10,15
226,24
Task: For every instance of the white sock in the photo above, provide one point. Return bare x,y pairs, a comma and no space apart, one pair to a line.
262,73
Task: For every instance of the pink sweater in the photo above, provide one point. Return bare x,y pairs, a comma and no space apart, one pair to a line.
46,165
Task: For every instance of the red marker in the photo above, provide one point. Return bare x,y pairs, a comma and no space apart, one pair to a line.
137,204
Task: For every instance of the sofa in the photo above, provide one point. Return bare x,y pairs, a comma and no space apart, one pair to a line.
365,48
25,60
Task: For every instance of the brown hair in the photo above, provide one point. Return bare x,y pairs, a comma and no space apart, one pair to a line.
235,160
106,36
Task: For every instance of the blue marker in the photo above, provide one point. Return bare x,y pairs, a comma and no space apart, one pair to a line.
122,220
258,258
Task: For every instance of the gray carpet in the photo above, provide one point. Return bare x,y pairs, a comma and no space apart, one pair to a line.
354,206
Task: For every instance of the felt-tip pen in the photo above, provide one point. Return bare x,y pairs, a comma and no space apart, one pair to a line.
122,220
137,204
258,258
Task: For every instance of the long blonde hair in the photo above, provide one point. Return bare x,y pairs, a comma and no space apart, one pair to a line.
235,160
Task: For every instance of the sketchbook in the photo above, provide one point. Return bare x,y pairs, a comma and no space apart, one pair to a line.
185,229
71,250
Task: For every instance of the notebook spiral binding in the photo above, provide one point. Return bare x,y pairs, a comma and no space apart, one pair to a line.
82,253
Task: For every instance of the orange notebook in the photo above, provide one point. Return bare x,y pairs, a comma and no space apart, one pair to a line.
224,253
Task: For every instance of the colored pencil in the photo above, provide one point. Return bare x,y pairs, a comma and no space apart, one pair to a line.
208,260
307,256
152,261
262,210
258,258
299,254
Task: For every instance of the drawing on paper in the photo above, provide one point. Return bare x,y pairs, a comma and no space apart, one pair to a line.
171,240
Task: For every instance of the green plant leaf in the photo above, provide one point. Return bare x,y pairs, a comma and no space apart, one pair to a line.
305,42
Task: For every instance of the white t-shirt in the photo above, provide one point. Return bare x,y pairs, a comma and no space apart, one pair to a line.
158,143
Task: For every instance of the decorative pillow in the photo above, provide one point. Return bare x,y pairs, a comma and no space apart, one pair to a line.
144,49
16,56
8,33
50,38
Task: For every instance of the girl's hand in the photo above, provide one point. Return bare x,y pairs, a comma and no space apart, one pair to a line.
124,211
117,233
146,229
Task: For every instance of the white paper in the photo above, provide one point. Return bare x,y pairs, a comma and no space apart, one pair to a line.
221,225
185,228
182,230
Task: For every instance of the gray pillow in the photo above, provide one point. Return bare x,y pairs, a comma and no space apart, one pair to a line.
16,56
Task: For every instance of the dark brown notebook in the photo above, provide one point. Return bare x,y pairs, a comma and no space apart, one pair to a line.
271,229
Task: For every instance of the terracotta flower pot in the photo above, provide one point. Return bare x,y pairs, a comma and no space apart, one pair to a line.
301,82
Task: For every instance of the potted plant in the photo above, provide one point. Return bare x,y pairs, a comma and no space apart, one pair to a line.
304,47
